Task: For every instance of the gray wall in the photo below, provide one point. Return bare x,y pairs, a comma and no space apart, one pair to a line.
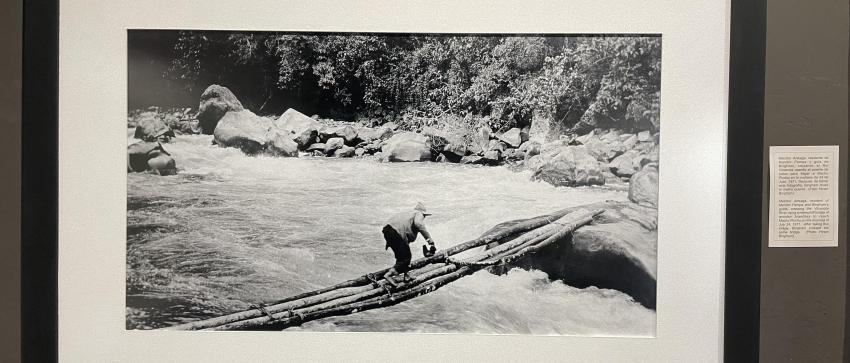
803,290
11,22
806,103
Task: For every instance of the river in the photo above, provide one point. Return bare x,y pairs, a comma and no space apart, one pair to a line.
231,230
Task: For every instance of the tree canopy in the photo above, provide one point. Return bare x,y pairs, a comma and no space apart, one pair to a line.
585,81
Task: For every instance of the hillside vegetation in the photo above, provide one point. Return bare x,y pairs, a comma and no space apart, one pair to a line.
579,83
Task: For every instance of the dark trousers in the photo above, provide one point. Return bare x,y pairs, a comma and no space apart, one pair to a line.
400,248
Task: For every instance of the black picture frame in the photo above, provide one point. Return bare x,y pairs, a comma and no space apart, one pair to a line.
39,183
744,180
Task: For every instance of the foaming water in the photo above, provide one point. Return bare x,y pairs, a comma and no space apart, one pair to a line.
230,231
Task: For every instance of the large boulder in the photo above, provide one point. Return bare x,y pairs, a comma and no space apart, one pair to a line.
406,146
216,101
162,163
534,162
553,146
495,145
653,155
612,135
618,250
641,157
385,132
151,127
244,130
151,157
569,166
305,138
318,146
525,133
348,133
630,141
624,165
492,157
530,148
137,155
304,130
513,137
345,132
644,136
437,139
643,186
282,145
604,151
345,152
513,155
373,147
454,152
368,134
610,178
333,144
181,120
472,159
583,139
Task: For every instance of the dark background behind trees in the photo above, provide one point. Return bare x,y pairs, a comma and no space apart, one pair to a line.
581,82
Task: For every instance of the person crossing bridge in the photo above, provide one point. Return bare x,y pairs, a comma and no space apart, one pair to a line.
400,231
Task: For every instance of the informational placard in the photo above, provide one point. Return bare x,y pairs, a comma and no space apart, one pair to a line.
803,196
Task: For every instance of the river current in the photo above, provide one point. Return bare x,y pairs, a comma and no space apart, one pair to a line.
231,230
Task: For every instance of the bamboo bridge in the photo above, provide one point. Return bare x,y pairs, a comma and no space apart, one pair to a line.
426,275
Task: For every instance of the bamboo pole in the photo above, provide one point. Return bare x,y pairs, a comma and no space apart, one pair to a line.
312,310
451,275
287,310
429,281
381,301
332,295
530,237
517,251
362,286
365,281
445,279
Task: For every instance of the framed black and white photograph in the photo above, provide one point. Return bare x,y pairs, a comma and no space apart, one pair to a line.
534,158
373,180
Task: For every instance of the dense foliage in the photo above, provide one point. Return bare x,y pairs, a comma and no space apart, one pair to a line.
581,82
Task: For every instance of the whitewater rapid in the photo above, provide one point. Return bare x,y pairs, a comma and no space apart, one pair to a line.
231,230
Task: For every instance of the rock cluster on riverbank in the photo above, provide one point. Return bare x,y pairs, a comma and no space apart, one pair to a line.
596,158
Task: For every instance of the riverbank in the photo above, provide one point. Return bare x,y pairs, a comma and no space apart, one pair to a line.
598,157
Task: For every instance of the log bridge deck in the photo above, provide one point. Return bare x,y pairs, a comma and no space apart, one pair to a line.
428,274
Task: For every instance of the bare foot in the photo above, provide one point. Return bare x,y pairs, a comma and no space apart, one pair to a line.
392,281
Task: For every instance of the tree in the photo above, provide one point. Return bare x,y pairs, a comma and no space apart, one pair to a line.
584,82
